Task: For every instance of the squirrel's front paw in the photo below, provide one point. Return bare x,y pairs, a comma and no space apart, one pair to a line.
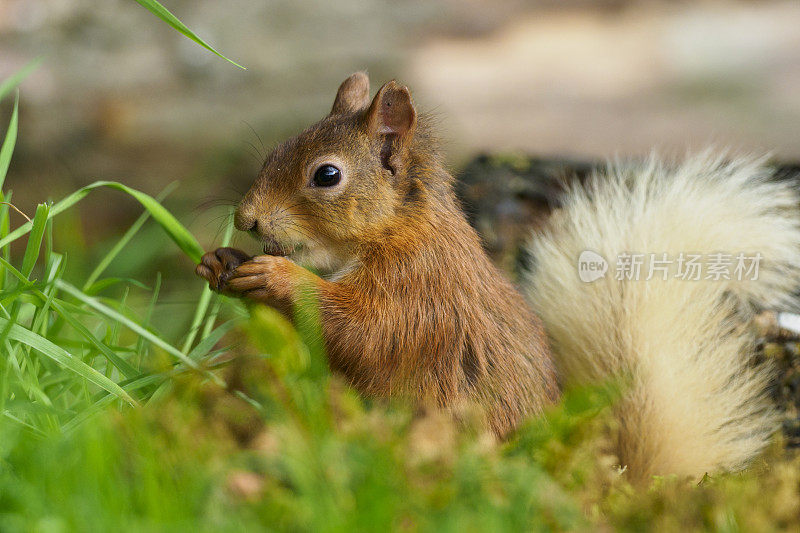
267,278
218,266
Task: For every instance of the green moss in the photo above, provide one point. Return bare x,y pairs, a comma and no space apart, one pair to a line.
303,452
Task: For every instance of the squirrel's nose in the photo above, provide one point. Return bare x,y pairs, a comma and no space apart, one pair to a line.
244,221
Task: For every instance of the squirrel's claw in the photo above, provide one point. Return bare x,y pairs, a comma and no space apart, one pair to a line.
217,266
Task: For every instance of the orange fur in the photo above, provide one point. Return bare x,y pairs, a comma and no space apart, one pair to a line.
416,308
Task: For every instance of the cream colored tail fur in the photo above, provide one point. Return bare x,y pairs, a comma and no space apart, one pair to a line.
695,402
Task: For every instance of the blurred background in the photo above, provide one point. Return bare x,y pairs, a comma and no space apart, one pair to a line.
121,96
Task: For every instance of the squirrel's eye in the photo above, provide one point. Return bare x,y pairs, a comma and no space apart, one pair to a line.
327,176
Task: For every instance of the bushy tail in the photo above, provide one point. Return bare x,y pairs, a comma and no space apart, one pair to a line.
695,401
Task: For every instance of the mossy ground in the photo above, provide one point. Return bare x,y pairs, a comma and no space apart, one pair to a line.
287,446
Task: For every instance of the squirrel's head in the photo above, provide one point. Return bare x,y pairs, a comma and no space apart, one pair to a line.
343,180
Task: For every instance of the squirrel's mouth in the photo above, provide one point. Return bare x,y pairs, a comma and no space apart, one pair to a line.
273,247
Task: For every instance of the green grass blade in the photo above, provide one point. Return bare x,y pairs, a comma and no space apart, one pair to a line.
86,414
176,231
124,240
23,279
140,345
5,228
164,14
57,208
205,297
133,326
121,303
9,84
48,241
8,142
125,368
38,432
27,383
63,358
197,320
4,373
212,318
105,400
35,239
40,318
116,249
179,234
103,284
207,344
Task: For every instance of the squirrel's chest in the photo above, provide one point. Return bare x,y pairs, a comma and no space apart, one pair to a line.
348,267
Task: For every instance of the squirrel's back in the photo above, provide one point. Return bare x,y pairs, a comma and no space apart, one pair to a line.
694,399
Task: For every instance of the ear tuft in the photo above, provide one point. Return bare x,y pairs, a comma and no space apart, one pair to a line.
353,94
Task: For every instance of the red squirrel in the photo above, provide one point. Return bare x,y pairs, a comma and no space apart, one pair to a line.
416,309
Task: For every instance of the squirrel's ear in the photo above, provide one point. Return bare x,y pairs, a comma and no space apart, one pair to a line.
392,117
353,94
